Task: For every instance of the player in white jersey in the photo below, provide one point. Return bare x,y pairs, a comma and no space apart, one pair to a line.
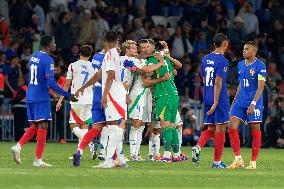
138,107
78,74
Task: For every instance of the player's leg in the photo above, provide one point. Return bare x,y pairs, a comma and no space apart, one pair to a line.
103,143
157,141
254,121
119,149
219,141
173,108
150,146
139,140
221,116
41,141
28,135
209,121
133,137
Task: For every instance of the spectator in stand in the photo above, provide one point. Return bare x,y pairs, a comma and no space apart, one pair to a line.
12,72
19,108
39,12
251,25
27,52
63,32
72,55
280,122
21,14
4,33
13,50
200,44
99,31
179,44
87,29
86,4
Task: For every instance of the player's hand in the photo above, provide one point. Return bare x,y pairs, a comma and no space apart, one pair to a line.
251,109
58,105
79,92
128,100
73,98
104,101
164,44
129,65
212,109
167,76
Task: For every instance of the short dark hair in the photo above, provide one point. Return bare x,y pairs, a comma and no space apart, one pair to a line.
252,43
219,39
46,40
86,50
151,41
111,36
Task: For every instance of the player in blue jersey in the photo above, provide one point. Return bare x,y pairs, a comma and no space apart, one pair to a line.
41,78
248,104
216,103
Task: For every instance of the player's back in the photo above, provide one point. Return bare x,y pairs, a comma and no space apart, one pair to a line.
97,64
40,67
248,76
112,62
213,65
80,72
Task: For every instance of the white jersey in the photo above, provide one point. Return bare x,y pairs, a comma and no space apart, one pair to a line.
112,62
133,78
80,72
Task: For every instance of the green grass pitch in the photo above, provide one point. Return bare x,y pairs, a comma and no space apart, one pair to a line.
148,175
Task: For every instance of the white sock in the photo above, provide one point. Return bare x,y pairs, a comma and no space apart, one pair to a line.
103,141
151,149
119,147
132,140
156,145
176,155
167,154
217,162
238,157
139,139
78,132
112,142
179,130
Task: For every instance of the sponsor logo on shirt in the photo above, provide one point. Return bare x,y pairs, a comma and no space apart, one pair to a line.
210,62
34,59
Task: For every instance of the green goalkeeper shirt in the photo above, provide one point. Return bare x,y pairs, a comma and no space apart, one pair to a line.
165,88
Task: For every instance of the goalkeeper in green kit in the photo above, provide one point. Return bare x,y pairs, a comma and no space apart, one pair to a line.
167,99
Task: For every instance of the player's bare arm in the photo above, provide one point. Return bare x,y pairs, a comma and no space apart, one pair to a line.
65,88
109,80
217,90
89,83
148,82
258,93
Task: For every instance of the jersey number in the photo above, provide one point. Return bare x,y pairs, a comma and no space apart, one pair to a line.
86,76
209,76
33,70
246,82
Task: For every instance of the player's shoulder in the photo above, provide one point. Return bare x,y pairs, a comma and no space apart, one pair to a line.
260,63
241,63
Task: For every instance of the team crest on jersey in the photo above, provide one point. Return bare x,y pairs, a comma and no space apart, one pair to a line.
252,72
51,66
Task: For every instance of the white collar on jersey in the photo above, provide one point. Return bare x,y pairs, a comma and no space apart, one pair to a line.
250,63
43,52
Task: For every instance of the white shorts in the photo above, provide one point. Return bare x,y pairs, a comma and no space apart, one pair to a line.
80,113
178,119
142,108
116,111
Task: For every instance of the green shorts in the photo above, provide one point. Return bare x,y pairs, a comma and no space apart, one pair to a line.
166,108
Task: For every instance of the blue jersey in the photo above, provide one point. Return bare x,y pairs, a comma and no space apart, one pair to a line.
248,76
97,64
214,65
40,68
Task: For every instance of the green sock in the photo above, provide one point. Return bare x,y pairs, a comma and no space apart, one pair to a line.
175,140
167,138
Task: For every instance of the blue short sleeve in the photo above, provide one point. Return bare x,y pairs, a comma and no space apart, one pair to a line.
49,69
222,69
261,72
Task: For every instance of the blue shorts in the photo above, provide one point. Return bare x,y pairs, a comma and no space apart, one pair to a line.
39,111
220,116
98,114
240,112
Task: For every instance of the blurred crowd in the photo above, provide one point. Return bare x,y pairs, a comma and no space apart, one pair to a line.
188,26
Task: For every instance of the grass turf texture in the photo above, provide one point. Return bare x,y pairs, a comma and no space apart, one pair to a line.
269,173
